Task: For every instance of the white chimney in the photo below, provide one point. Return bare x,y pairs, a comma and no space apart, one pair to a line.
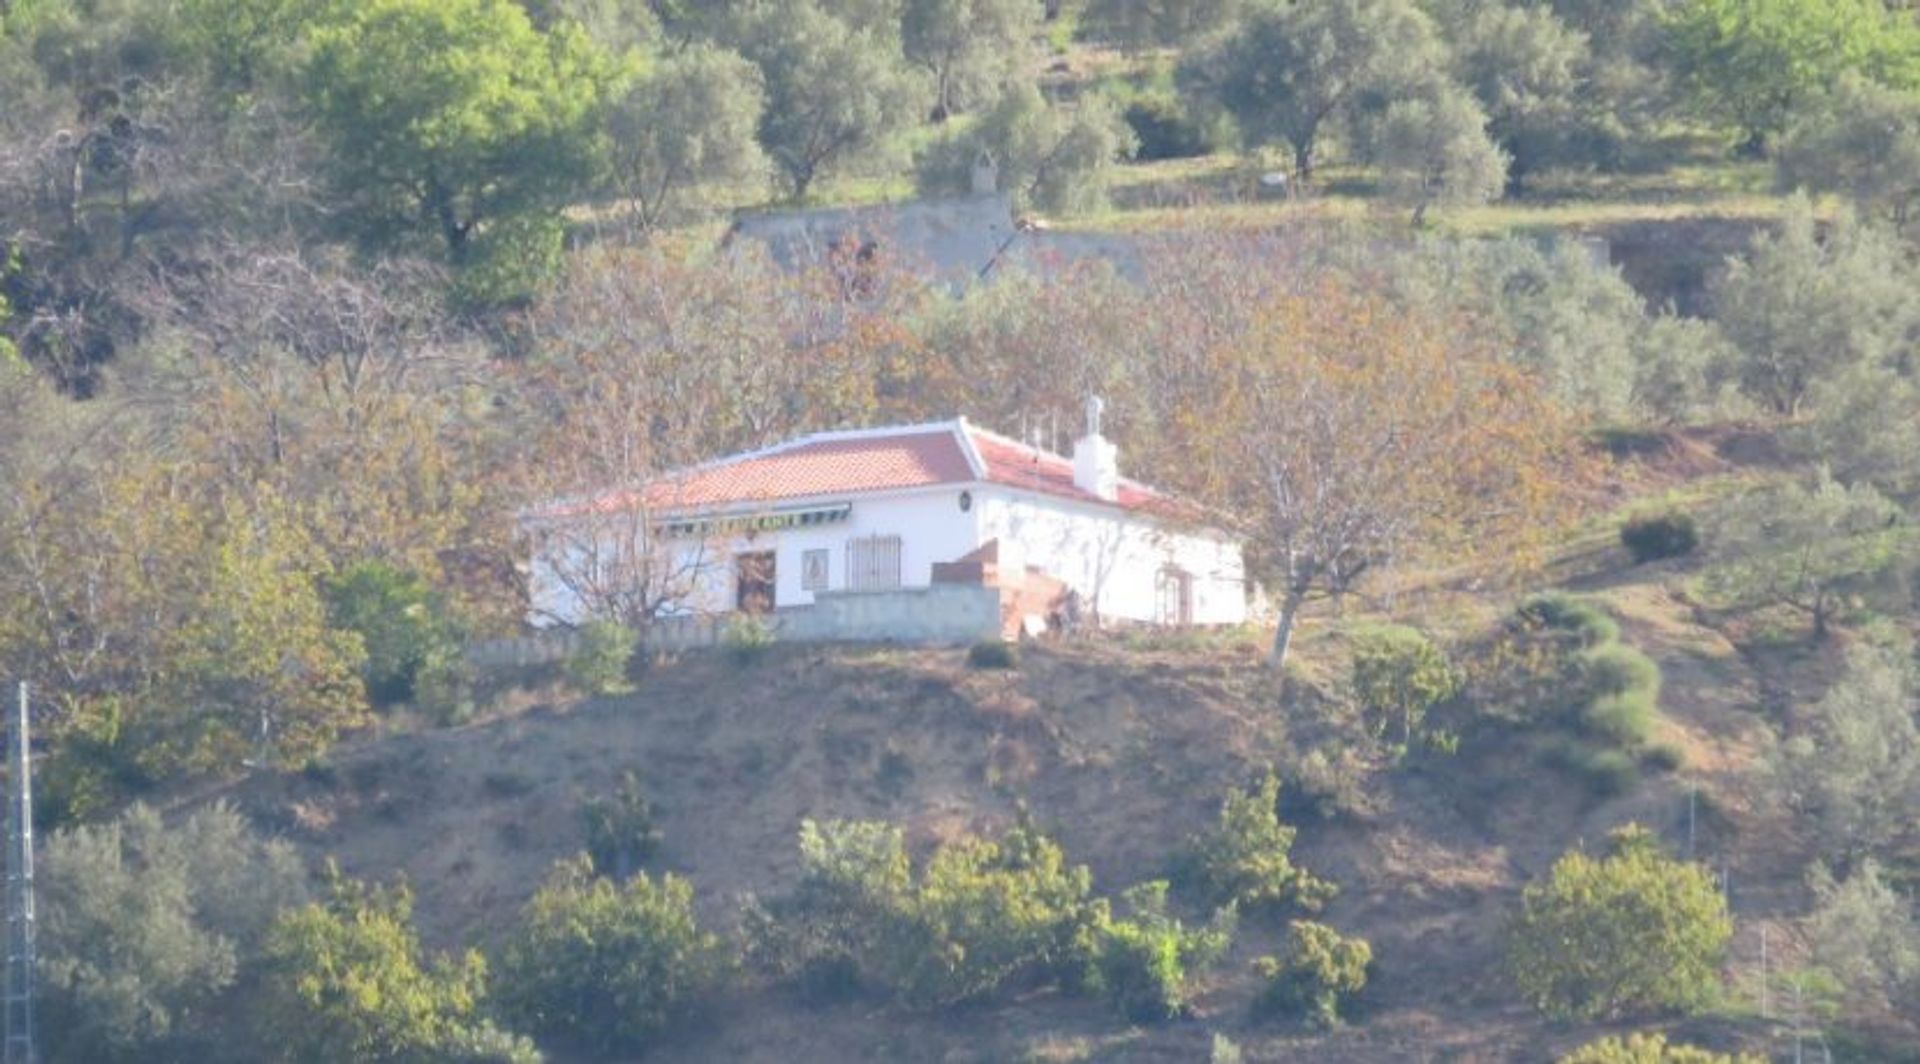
1096,461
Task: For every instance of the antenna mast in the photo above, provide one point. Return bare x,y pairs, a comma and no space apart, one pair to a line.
20,927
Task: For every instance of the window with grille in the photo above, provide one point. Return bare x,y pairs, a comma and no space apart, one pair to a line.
873,563
1173,596
813,570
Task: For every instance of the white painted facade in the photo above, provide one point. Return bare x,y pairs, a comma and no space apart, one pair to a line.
1126,565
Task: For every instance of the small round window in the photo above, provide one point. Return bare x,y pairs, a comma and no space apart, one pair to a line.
966,501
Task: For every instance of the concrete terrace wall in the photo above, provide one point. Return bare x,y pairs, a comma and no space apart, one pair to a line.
941,615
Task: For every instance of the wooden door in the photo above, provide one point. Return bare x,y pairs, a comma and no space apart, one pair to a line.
754,582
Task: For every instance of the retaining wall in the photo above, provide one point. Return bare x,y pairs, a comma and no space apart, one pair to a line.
941,615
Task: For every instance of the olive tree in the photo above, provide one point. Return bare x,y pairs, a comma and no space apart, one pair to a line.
1865,932
143,927
1800,307
688,122
1435,151
1812,545
1862,140
1290,72
838,91
1529,72
1054,157
1854,767
971,48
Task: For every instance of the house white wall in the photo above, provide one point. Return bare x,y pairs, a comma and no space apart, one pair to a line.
931,526
1111,557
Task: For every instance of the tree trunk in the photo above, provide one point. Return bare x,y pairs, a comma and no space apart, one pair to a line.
1283,635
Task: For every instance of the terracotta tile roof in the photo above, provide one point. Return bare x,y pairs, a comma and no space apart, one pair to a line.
914,457
885,459
1017,465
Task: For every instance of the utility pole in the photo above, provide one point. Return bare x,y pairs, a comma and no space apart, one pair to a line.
20,1047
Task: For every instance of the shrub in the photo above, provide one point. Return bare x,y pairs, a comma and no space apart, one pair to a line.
1144,962
1244,860
1398,675
1650,1049
1321,967
599,663
993,654
404,624
1616,668
1628,932
142,925
1163,129
1607,773
1562,612
611,965
746,637
621,834
1624,718
1664,757
347,980
986,912
979,914
1668,535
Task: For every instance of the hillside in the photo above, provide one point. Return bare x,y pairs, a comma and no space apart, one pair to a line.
1120,746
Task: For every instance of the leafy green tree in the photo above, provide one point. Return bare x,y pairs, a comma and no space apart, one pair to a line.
1435,152
971,48
1290,71
686,123
1800,307
346,980
1814,546
144,927
1855,766
401,620
1398,675
1861,140
1244,860
1747,63
1650,1049
1628,932
1321,966
1052,157
610,965
1866,933
838,92
1137,25
449,116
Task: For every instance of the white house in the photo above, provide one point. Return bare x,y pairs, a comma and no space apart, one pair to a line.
881,509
